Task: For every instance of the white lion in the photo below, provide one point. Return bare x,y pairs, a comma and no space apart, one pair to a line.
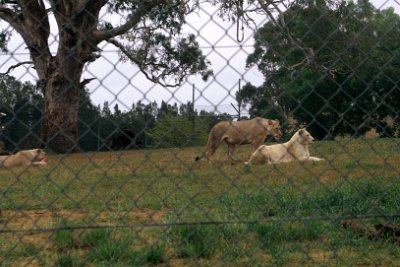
295,149
24,158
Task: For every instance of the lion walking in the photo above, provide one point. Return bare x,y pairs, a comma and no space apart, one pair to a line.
234,133
295,149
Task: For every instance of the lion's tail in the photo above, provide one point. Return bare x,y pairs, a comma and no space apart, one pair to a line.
202,154
212,143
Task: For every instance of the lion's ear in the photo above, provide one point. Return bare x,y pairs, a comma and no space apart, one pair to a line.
301,132
270,122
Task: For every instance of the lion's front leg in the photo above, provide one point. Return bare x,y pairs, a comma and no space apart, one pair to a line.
311,159
315,159
39,163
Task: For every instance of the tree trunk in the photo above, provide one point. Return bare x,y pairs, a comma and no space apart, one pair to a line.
61,83
61,98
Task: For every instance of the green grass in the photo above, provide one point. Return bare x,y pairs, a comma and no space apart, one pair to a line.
66,261
95,237
110,251
159,207
194,241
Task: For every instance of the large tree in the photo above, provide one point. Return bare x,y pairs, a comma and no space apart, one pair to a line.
149,34
149,28
349,79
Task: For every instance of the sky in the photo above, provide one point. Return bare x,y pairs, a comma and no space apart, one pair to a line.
122,83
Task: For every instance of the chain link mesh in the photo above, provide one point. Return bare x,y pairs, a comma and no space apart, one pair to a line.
129,191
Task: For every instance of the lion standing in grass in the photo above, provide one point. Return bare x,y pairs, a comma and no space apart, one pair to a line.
234,133
295,149
24,158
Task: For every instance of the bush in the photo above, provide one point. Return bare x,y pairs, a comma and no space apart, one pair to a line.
177,131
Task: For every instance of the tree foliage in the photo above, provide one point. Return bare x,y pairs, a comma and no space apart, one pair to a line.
351,81
22,105
181,126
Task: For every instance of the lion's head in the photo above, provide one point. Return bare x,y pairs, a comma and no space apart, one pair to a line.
302,136
34,155
273,127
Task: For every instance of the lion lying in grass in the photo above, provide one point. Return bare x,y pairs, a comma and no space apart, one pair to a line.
24,158
295,149
234,133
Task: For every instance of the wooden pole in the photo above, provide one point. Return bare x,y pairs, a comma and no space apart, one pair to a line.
194,117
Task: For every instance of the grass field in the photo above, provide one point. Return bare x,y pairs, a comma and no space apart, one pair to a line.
159,207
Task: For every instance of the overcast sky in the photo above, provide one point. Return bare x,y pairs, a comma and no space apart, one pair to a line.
122,83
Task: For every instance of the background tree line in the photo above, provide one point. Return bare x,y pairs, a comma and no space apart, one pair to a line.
154,125
343,77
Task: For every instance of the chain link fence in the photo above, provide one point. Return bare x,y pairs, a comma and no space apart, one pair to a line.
122,96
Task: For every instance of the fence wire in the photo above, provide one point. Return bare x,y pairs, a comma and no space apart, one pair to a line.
187,133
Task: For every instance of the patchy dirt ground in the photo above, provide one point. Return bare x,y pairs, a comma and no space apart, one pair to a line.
36,225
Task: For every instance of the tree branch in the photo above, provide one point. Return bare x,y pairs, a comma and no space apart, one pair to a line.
8,15
86,81
140,64
281,23
91,5
309,55
136,17
15,66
